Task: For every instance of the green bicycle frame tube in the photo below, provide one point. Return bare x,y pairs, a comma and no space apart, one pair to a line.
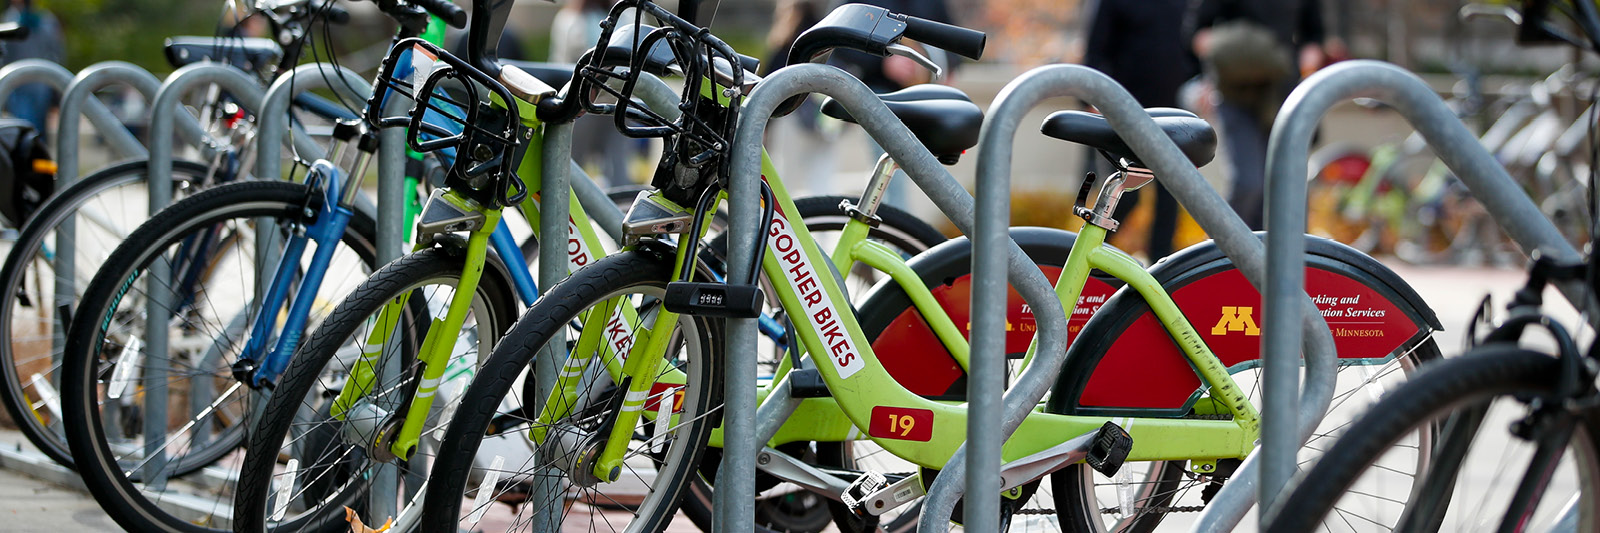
928,432
436,354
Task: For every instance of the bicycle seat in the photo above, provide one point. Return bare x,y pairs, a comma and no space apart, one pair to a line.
943,118
553,74
248,53
1192,134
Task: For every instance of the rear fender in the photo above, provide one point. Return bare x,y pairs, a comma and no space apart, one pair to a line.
911,352
1127,364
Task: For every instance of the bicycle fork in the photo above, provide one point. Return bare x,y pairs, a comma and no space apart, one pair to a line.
257,367
385,435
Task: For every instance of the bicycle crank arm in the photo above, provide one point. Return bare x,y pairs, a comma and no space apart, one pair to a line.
1103,448
792,470
900,493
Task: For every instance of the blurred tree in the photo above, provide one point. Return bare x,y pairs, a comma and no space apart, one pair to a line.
1030,32
129,30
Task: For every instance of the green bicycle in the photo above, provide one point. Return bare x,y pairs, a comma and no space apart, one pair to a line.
341,414
622,431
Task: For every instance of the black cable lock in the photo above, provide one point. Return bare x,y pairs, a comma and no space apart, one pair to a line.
719,299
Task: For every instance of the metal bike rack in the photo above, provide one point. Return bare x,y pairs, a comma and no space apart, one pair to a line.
58,77
79,95
1286,216
77,100
163,117
273,121
735,476
1176,173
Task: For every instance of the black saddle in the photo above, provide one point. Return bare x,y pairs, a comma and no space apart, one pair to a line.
553,74
1193,135
248,53
943,118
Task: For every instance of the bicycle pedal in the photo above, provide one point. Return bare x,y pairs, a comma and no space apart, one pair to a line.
807,383
721,300
1109,449
862,488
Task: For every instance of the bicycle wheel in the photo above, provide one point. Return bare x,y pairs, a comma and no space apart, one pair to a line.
206,246
1161,496
100,210
1356,488
489,457
331,469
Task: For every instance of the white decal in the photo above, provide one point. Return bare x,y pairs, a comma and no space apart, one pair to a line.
819,310
618,337
577,252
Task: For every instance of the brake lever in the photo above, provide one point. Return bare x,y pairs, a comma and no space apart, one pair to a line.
907,52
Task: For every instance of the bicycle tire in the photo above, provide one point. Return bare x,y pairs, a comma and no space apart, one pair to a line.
81,372
20,405
1074,486
607,278
1490,372
412,272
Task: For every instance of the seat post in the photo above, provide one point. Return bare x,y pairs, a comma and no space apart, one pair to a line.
867,211
1127,178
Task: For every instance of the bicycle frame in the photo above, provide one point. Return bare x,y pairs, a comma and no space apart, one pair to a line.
922,431
487,229
335,216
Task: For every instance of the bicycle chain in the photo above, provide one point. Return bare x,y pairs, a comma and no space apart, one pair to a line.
1208,417
1113,510
1163,509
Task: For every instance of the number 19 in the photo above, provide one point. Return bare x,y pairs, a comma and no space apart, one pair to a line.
901,424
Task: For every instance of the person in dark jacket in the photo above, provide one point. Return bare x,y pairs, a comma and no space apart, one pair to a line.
1254,52
33,101
1141,46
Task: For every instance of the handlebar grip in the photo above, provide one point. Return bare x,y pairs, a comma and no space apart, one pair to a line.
955,39
12,31
445,9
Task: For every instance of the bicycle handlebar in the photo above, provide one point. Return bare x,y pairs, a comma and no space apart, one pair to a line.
331,13
445,9
12,31
955,39
872,29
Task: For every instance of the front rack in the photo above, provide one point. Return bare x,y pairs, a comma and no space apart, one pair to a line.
457,111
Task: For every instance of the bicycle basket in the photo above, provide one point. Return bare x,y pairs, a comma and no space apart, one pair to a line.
697,141
458,113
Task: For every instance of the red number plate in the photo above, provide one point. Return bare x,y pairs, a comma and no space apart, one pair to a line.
901,423
657,392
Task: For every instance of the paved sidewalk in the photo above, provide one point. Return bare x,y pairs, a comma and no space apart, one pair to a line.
28,505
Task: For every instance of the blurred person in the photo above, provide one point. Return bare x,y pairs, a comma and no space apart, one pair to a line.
595,139
33,101
1141,46
1253,53
892,73
802,142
